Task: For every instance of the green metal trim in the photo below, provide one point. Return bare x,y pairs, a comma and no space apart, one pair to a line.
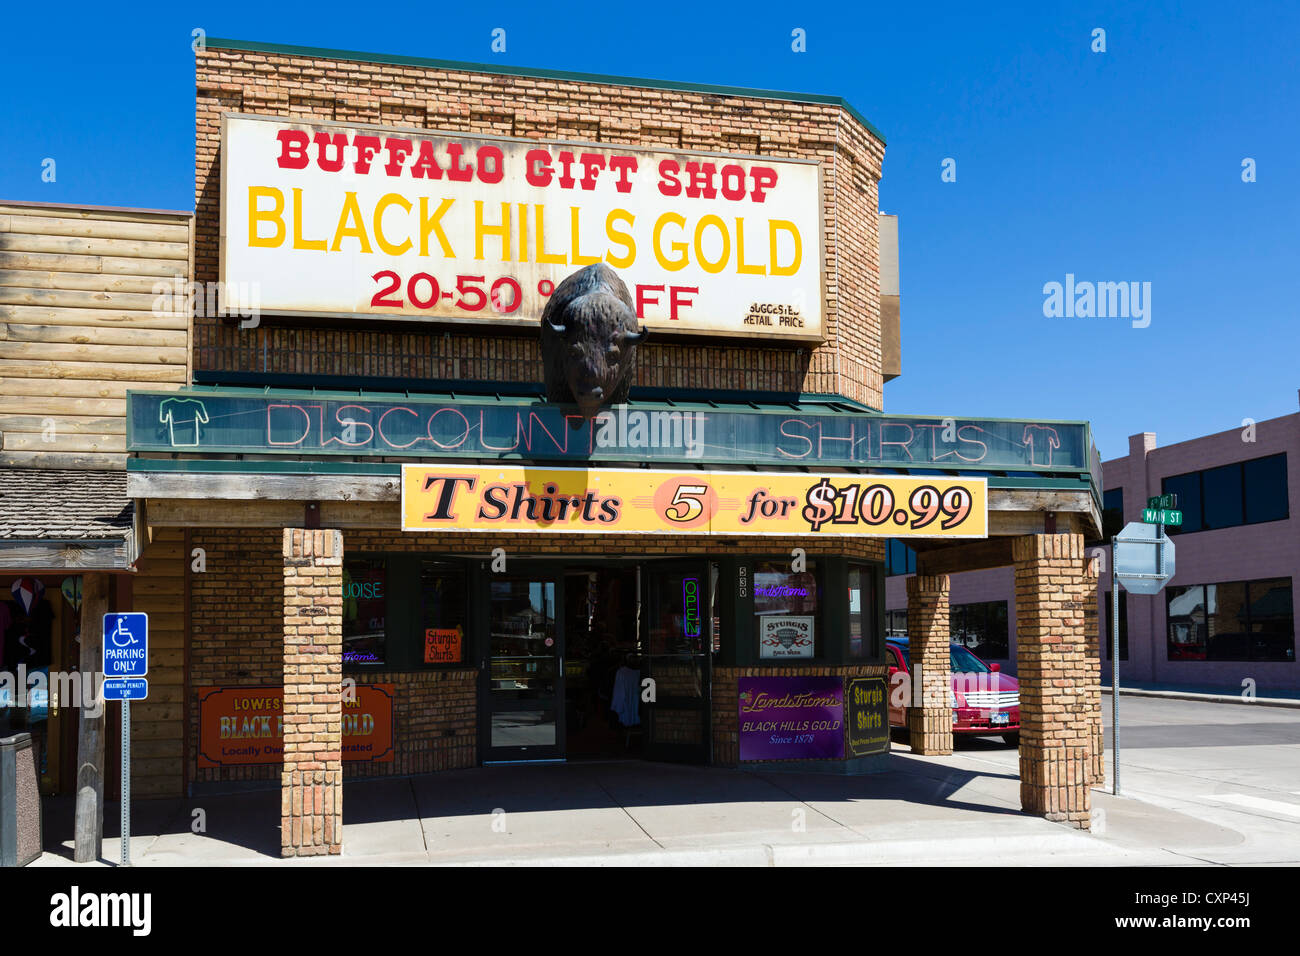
764,408
300,467
539,73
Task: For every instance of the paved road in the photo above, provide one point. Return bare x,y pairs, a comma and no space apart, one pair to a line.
1230,766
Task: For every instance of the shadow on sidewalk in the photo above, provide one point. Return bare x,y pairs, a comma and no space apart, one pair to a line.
402,815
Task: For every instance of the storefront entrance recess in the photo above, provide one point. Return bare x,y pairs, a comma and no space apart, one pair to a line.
600,661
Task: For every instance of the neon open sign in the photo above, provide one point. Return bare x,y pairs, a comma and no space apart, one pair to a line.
691,606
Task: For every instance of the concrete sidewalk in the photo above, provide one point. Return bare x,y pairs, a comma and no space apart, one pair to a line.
926,810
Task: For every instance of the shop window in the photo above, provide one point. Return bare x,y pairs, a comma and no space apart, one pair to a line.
896,623
787,606
444,591
1231,621
981,627
862,613
365,604
1107,636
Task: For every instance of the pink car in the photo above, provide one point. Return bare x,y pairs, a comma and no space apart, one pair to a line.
985,702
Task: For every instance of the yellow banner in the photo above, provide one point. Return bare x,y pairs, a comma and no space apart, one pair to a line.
627,500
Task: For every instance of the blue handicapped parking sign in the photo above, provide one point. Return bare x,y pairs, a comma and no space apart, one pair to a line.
126,644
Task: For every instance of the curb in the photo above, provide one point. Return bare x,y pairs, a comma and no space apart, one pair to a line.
987,851
1208,698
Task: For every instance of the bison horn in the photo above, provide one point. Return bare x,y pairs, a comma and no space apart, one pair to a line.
633,338
556,327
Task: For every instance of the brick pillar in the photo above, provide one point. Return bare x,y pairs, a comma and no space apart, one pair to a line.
311,784
929,711
1052,660
1092,626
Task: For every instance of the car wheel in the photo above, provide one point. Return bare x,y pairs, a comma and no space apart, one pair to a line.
1012,740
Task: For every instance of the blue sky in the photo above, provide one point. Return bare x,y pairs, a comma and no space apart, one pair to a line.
1115,166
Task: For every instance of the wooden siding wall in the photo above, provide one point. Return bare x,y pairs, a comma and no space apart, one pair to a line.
157,730
78,328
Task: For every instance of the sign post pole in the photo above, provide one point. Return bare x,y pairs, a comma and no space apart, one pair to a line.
1143,559
1114,671
126,782
126,671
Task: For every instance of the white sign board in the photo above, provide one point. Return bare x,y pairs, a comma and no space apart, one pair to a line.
329,219
784,636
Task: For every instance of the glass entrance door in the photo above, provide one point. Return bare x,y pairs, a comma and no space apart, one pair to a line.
679,643
524,709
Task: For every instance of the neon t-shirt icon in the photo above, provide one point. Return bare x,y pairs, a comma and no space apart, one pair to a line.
182,416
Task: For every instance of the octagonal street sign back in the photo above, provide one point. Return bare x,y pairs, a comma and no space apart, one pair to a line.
1144,558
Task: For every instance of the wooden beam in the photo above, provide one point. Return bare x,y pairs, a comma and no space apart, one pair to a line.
1036,499
77,246
118,265
63,441
40,225
107,318
95,370
1017,523
78,461
78,281
111,555
89,824
246,486
95,335
970,556
93,355
186,513
76,388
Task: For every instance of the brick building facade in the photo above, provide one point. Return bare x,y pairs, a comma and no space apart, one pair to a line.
301,571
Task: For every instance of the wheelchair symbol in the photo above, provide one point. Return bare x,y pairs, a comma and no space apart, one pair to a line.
122,632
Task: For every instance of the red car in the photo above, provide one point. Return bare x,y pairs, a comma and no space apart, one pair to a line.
985,702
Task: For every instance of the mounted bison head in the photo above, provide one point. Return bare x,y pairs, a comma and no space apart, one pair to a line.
589,339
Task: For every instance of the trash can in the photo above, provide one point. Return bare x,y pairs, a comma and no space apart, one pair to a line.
21,838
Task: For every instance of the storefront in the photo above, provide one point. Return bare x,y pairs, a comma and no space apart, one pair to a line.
399,552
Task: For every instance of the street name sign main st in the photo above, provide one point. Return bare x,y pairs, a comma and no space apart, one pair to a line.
1168,516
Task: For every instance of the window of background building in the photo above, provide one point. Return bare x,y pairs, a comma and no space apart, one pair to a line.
899,558
1264,484
896,623
787,606
365,607
444,588
1231,621
982,627
1241,493
862,613
1107,636
1112,512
